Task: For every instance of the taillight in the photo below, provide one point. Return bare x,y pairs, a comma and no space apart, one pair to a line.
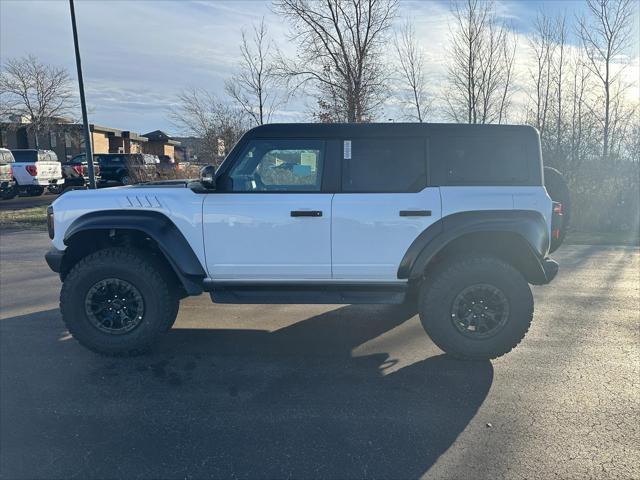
32,170
557,208
50,221
10,172
78,169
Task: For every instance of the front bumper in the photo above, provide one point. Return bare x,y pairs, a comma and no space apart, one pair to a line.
54,259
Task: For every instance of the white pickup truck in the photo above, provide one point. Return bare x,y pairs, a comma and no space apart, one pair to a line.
36,169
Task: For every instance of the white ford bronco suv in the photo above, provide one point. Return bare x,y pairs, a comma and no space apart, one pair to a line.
455,218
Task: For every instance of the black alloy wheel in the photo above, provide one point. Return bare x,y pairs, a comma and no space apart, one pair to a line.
114,306
480,311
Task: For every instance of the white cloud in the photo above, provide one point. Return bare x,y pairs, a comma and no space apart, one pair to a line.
138,55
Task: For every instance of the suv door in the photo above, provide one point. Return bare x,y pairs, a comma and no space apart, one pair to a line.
269,218
383,206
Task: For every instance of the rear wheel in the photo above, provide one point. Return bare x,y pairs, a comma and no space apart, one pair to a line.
558,190
118,301
125,180
476,307
35,191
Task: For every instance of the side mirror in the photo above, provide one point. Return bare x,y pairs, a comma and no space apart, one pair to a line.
208,177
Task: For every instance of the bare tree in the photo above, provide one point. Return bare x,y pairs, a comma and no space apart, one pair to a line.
481,70
543,45
412,70
254,88
219,125
605,34
561,37
340,47
37,92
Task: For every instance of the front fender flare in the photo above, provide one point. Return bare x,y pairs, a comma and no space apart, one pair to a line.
170,240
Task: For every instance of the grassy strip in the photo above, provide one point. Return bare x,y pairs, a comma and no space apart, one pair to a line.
602,238
31,218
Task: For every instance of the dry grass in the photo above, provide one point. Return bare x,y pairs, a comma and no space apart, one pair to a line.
32,218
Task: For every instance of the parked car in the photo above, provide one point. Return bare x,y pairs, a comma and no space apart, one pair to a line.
452,220
36,169
76,174
8,188
126,168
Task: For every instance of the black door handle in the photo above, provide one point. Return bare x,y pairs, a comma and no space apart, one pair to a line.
415,213
306,213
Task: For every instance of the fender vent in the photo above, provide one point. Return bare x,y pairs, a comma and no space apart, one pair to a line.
143,201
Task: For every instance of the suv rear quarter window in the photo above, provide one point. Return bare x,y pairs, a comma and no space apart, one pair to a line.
482,160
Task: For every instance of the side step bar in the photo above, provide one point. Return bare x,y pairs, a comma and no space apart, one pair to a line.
306,293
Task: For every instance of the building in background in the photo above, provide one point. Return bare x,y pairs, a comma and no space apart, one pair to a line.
66,138
159,143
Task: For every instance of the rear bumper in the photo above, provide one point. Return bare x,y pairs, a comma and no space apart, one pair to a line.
54,259
45,182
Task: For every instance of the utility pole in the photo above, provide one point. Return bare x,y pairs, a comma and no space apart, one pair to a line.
83,104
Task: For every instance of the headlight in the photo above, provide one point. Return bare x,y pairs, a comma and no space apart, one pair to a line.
50,227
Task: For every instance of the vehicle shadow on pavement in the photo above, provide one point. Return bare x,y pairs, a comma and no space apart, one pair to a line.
293,403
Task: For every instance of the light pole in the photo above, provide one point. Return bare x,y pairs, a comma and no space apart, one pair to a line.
83,104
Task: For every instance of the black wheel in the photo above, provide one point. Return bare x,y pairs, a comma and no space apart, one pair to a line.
117,301
558,190
34,191
476,307
9,194
125,180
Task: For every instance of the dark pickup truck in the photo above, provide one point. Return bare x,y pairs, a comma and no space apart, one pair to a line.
126,168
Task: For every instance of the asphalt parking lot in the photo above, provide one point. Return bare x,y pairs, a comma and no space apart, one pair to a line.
324,391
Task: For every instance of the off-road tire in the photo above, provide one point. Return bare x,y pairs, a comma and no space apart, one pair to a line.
9,194
558,190
441,288
35,191
142,271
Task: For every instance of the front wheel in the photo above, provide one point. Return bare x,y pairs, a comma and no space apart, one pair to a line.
117,301
476,307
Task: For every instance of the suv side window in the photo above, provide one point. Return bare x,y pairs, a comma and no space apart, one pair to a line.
479,160
286,165
384,165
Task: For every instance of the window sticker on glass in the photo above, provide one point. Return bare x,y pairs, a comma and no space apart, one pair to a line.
347,149
309,159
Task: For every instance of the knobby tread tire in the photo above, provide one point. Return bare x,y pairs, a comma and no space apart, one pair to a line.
440,289
140,269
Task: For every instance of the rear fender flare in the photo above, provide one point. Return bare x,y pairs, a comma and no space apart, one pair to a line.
527,226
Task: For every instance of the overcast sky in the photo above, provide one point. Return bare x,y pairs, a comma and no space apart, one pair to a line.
137,56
